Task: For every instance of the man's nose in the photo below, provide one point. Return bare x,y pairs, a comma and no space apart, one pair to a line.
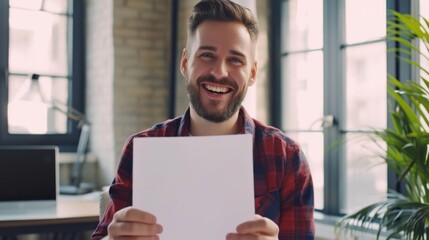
219,70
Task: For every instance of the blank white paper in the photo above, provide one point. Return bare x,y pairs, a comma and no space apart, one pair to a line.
197,187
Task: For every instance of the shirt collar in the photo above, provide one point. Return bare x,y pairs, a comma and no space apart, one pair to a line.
184,124
248,125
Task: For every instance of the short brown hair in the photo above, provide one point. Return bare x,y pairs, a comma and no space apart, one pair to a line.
225,11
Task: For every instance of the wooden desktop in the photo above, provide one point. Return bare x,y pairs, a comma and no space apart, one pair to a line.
73,215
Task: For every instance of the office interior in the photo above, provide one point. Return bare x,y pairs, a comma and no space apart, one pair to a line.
322,75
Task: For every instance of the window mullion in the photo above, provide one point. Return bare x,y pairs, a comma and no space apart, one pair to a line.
401,71
275,55
333,91
4,54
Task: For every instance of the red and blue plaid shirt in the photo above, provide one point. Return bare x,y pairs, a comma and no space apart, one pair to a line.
282,180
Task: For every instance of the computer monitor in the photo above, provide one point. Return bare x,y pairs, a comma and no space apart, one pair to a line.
28,177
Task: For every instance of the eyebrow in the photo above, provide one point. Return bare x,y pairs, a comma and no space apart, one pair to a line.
207,48
233,52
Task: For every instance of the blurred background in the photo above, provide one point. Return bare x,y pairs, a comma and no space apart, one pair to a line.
322,75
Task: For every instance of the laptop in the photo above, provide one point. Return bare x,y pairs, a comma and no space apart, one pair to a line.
28,181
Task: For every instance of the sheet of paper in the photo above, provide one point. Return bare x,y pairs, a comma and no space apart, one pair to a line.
198,187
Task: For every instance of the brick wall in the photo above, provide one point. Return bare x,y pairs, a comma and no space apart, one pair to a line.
99,83
185,9
127,73
141,52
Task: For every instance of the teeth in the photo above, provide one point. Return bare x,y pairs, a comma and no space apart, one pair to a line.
216,89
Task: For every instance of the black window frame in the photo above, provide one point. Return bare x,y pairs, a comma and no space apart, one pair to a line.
69,140
395,66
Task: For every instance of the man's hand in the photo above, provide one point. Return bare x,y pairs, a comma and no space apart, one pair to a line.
131,223
257,229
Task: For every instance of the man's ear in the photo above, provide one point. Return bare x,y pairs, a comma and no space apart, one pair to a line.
184,62
253,72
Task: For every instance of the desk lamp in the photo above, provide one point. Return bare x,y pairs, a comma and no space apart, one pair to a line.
32,88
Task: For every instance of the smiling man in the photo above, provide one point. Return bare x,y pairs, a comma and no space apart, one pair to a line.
219,65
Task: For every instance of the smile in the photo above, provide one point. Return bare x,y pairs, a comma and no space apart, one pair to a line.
216,89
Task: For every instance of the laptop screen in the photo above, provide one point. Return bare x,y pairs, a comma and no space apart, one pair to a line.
28,173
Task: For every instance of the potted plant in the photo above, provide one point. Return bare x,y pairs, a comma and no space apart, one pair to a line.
406,151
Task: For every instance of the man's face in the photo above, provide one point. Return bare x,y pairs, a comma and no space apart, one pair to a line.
218,66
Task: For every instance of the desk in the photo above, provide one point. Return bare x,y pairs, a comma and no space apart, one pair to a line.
73,215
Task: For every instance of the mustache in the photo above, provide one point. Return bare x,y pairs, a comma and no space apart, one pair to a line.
212,79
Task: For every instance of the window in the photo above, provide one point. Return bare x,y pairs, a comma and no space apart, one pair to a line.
365,103
44,38
329,92
302,48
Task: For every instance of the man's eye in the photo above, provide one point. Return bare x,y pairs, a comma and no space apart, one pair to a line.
206,55
236,60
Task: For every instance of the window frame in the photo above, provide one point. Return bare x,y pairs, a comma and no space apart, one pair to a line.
333,12
75,35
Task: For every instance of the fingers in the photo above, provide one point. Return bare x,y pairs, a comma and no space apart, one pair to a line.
133,223
260,225
131,214
257,229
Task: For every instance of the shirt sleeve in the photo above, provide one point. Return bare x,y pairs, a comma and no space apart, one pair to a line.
297,197
120,191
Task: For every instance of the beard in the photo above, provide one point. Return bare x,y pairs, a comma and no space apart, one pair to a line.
206,113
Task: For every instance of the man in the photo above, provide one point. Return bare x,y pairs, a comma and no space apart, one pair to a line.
218,65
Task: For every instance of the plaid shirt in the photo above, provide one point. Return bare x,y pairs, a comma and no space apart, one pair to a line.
282,179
